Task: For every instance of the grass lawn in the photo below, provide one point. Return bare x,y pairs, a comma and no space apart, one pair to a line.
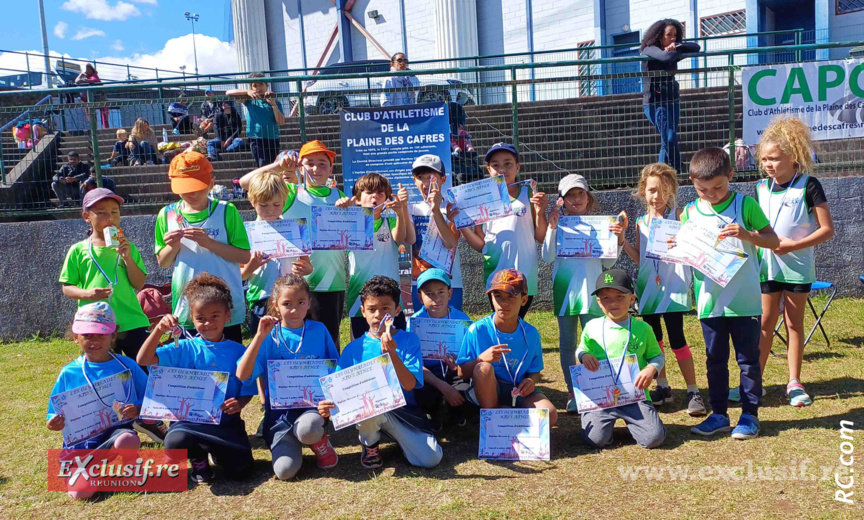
578,482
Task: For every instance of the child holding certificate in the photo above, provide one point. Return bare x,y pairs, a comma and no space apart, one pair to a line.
311,169
199,234
210,304
502,354
663,288
407,425
98,270
732,311
511,242
795,204
429,178
573,278
287,333
614,336
94,329
437,396
373,191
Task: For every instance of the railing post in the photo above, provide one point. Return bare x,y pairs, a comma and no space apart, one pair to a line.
29,83
731,90
369,90
301,110
2,164
705,63
515,104
94,143
128,73
798,42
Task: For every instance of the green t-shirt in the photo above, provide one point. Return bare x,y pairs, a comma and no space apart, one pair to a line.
233,223
260,120
80,270
754,217
603,332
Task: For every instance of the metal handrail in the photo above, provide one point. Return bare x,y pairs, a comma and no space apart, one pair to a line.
8,125
483,68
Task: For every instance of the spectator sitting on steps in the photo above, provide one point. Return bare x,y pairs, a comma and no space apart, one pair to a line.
228,125
142,144
65,182
90,182
180,120
209,111
120,154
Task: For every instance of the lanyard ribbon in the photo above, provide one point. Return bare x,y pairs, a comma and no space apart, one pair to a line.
111,283
128,388
280,338
616,377
782,200
504,357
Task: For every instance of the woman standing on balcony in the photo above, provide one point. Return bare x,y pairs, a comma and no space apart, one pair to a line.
91,77
399,90
663,44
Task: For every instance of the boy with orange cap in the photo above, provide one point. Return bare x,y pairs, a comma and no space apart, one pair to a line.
199,234
307,176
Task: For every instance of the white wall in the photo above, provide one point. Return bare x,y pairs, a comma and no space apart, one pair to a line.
844,27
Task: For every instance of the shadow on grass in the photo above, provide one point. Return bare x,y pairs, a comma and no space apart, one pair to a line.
262,471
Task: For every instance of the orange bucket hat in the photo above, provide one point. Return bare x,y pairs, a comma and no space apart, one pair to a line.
189,172
315,147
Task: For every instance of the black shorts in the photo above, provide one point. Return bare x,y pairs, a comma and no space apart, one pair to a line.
773,286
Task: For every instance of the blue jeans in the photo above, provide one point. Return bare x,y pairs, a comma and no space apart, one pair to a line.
214,146
664,116
744,332
421,449
567,342
144,152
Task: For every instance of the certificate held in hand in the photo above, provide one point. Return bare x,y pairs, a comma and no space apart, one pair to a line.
294,383
342,229
85,413
586,237
659,232
280,238
439,338
182,394
514,434
703,249
363,391
480,201
610,386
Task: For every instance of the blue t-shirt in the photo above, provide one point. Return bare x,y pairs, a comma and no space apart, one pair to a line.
433,365
218,357
407,348
260,121
526,352
120,149
316,344
71,377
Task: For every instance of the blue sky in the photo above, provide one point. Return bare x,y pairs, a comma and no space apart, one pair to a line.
149,33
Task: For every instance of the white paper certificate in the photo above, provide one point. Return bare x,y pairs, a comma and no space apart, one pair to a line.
514,434
660,230
439,338
480,201
341,229
293,383
182,394
434,251
586,237
702,249
597,390
363,391
84,413
280,238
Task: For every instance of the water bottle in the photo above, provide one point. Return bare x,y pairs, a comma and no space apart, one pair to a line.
237,191
164,135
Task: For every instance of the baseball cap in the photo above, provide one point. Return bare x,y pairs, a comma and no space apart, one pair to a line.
94,318
190,171
614,279
568,182
498,147
510,281
208,91
153,303
315,147
428,161
94,196
433,274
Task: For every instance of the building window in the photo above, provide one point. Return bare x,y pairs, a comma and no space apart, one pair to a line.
849,6
726,23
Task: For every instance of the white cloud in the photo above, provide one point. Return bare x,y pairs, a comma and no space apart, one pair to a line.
214,56
117,46
149,2
60,29
87,32
102,10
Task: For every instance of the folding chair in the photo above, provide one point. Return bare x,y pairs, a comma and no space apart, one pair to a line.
817,286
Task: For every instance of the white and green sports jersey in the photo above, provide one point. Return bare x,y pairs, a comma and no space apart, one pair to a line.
363,265
660,286
328,267
790,217
510,242
742,295
573,279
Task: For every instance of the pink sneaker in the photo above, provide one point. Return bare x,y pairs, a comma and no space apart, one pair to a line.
325,455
